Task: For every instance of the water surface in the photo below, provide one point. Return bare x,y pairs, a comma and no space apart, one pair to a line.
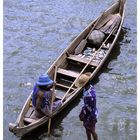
36,33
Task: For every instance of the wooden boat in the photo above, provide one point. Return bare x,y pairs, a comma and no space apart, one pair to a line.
72,63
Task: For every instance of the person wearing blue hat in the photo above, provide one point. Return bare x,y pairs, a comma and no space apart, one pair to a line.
42,95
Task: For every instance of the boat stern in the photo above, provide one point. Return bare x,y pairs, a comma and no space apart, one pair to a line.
13,127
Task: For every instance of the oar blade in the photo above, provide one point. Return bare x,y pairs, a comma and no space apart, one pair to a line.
80,47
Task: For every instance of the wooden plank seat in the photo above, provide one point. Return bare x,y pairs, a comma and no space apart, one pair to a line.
81,60
64,86
68,72
29,120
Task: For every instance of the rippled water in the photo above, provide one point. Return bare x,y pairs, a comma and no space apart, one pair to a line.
35,34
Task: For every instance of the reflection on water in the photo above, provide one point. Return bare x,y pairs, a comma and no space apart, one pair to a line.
35,34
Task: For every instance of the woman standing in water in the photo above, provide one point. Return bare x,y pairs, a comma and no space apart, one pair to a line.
88,113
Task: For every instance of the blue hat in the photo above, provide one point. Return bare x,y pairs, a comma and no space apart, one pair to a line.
44,80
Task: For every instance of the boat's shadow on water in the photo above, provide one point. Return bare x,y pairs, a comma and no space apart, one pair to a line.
113,55
56,125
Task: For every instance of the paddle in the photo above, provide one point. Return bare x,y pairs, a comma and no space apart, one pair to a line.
86,65
83,43
49,123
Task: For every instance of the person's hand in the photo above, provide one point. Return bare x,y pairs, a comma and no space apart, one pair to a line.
54,84
49,115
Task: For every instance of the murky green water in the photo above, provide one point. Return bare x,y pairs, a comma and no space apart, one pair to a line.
35,34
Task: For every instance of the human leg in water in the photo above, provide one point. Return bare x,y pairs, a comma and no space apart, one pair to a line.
94,134
88,134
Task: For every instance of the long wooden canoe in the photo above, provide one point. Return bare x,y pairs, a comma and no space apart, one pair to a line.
70,65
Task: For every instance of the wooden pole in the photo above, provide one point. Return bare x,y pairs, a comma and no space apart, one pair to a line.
49,123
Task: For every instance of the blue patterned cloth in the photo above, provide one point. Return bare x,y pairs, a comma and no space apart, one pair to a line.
88,113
